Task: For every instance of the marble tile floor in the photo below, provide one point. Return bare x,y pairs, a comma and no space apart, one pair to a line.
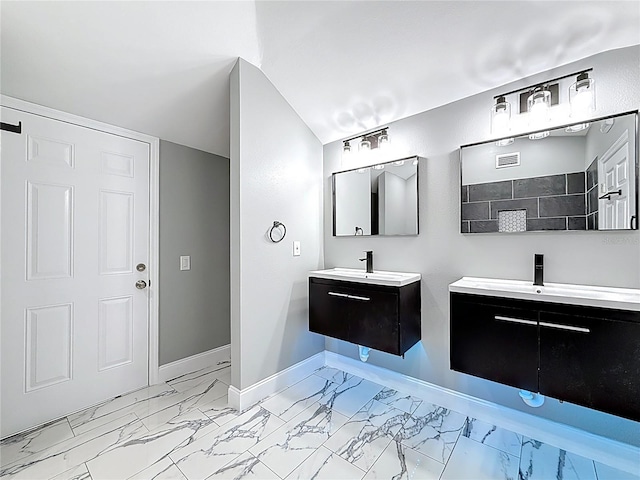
331,425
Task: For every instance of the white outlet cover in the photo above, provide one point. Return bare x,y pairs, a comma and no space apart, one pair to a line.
296,248
185,262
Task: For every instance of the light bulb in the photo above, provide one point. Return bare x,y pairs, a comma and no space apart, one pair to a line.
538,105
504,142
539,135
500,116
582,96
383,140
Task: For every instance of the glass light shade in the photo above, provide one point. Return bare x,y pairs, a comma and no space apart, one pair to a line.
346,150
383,140
378,167
582,96
577,128
399,163
365,145
500,116
539,135
538,106
504,142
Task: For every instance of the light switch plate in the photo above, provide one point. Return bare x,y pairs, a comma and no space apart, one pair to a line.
296,248
185,262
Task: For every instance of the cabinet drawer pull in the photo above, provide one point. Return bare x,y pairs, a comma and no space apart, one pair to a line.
352,297
565,327
356,297
515,320
336,294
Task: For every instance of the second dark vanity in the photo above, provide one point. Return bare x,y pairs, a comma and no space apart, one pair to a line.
583,354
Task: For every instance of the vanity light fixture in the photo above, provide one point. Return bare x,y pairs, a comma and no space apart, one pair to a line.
368,141
536,101
399,163
378,167
582,96
500,116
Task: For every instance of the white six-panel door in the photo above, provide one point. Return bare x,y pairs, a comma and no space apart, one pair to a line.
75,224
615,176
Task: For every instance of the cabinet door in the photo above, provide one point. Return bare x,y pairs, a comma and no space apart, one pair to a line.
593,362
373,319
328,310
495,341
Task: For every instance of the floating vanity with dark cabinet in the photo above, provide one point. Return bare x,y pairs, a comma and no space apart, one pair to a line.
576,344
379,310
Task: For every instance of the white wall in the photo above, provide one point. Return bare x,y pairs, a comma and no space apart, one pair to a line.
276,174
353,202
442,255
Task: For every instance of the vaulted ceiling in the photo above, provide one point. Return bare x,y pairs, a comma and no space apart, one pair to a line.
162,68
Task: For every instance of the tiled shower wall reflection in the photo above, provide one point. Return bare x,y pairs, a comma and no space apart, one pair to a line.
553,202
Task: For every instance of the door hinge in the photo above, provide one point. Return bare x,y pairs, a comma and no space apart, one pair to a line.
11,128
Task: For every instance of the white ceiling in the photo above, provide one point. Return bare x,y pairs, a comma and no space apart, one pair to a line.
162,67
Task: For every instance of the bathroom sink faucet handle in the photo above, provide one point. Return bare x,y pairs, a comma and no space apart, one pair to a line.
538,269
369,260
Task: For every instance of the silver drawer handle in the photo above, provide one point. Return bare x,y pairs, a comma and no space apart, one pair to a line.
355,297
352,297
515,320
335,294
565,327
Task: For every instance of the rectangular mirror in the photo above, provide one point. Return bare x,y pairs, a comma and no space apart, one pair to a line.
577,177
380,199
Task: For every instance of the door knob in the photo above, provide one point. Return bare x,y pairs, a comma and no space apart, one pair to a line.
141,284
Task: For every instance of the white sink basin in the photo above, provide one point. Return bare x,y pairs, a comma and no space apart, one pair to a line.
594,296
393,279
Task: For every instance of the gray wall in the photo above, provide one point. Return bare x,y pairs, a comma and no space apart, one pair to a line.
549,156
276,174
194,220
442,255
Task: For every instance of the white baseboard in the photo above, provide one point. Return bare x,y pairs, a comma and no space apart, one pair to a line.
210,358
245,398
610,452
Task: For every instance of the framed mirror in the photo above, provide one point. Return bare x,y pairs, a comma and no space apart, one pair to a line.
379,199
577,177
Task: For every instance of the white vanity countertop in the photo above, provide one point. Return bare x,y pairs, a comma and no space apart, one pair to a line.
588,295
378,277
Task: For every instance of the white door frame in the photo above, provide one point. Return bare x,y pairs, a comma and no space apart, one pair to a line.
154,204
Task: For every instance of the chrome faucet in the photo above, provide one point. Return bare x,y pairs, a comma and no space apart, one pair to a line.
369,259
538,269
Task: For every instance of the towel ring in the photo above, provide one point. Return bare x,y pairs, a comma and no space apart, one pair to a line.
277,225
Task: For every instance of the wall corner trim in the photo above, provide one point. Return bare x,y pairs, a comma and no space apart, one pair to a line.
217,356
247,397
610,452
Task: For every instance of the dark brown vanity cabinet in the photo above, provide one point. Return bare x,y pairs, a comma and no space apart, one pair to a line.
589,356
380,317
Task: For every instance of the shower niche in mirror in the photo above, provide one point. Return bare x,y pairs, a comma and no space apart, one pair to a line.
379,199
576,177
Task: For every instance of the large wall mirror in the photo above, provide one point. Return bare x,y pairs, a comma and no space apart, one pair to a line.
578,177
380,199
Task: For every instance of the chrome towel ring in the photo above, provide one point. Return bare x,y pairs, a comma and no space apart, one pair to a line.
276,226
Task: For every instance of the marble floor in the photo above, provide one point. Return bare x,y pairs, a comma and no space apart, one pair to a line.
331,425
